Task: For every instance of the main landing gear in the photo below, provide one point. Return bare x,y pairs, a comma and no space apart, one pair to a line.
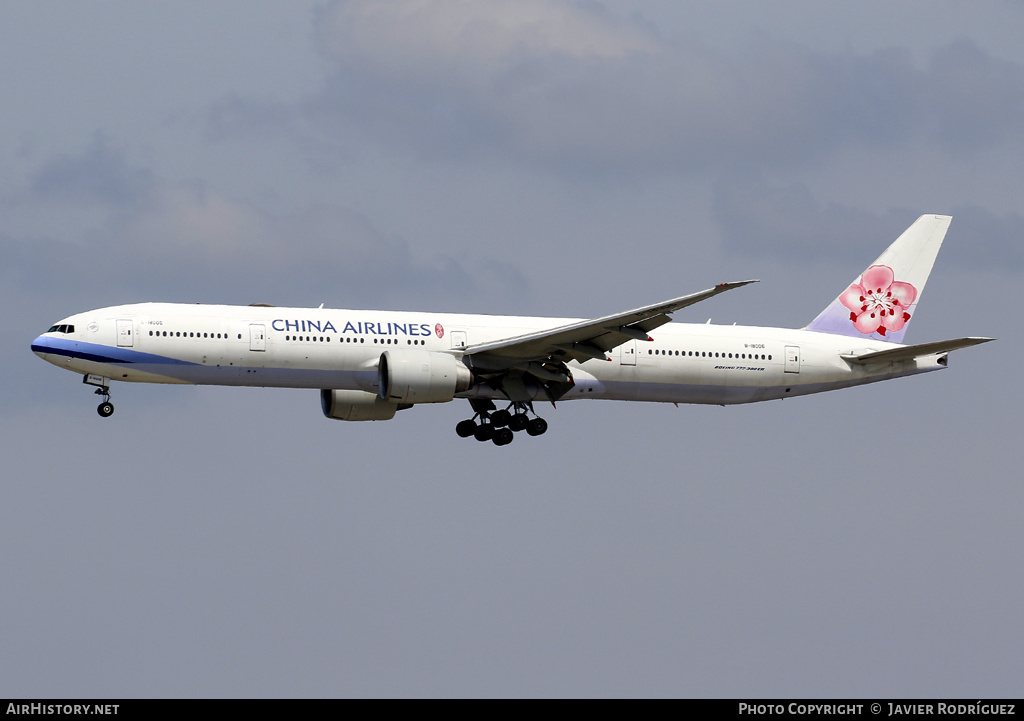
499,427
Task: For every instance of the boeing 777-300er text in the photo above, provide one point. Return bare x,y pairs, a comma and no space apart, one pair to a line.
370,364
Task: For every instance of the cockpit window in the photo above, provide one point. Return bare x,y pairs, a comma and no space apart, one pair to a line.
63,328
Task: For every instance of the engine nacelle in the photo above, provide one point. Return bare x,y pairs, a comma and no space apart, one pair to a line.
356,406
419,376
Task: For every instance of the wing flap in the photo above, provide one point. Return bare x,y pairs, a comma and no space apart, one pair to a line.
909,352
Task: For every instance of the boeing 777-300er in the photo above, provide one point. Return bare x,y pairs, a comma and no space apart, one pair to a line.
370,364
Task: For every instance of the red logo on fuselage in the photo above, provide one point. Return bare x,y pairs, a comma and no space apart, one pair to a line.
439,330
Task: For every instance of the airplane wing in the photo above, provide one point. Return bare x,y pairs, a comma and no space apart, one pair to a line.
909,352
588,339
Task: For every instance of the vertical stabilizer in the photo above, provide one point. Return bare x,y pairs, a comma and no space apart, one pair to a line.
881,301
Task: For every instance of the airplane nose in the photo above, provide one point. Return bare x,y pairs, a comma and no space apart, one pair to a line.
39,346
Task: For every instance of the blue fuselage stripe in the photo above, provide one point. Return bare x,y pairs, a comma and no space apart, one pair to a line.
100,353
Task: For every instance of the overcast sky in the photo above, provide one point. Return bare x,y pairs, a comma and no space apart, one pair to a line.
524,157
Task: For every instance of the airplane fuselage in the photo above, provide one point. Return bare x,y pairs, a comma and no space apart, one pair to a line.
341,349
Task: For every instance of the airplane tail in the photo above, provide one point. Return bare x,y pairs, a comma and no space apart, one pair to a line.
881,301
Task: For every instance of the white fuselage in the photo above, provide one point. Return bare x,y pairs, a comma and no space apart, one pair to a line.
340,349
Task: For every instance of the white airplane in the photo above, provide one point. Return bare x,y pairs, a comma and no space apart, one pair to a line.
370,364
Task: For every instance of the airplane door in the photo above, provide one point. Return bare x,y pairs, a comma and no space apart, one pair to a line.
257,336
792,359
458,339
124,334
627,353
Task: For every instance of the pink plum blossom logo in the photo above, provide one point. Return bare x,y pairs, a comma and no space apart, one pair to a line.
879,303
439,330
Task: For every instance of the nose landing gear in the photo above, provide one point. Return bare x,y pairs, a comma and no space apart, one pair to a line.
106,408
500,426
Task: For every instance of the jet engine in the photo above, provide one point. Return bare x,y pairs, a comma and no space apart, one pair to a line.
357,406
419,376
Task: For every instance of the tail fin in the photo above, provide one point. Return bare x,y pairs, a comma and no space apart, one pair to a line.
881,301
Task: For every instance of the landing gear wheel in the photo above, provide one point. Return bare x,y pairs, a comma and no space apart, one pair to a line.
518,422
106,408
500,426
501,418
502,437
537,426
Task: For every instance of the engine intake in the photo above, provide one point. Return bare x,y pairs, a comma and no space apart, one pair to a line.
420,376
356,406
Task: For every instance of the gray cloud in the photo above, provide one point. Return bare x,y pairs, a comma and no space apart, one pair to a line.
569,86
124,228
788,221
99,174
979,99
233,115
986,239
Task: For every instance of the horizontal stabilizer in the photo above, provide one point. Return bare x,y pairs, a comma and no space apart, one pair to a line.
909,352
